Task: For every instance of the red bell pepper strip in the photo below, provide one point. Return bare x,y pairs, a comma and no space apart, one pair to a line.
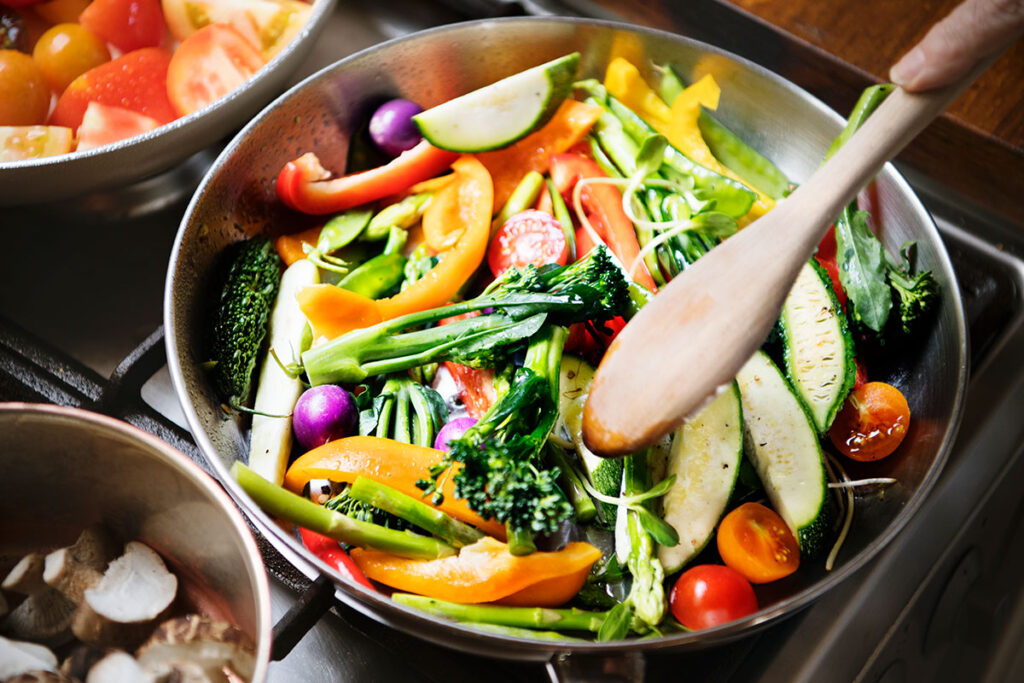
306,186
331,552
605,202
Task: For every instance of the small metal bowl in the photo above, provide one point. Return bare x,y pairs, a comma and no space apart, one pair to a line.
65,468
56,178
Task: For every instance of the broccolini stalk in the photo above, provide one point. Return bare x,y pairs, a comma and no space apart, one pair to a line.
593,288
405,411
444,526
647,595
502,475
283,504
565,619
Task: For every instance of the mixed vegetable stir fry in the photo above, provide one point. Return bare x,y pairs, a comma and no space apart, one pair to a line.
425,356
80,74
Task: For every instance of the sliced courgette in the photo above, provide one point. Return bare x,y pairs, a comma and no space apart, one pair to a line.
780,440
818,348
270,441
501,113
574,385
705,457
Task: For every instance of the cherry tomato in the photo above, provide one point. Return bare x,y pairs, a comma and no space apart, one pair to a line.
753,540
711,594
18,143
104,124
24,95
66,51
527,237
126,24
872,423
61,11
211,62
136,81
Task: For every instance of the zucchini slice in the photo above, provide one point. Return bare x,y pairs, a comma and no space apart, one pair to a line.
818,348
604,473
500,113
705,457
270,441
780,440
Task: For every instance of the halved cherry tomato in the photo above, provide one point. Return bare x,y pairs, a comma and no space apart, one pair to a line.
711,594
104,124
136,81
212,62
528,237
872,423
18,143
267,24
753,540
126,24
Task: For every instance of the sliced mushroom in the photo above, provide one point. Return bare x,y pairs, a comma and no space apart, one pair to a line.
95,547
180,645
71,577
45,615
17,657
81,658
118,666
120,610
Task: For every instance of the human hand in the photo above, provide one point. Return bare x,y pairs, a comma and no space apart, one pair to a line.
973,30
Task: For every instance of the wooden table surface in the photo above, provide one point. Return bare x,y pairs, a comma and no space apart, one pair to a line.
835,48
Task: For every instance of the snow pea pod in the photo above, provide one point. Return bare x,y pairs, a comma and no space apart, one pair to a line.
376,277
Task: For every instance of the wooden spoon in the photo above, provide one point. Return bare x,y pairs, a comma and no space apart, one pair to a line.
689,342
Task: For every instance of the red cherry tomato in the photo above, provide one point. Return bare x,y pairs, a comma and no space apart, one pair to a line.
756,542
209,64
126,24
529,236
136,81
872,423
711,594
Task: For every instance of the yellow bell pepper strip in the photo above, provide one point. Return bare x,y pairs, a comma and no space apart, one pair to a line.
306,186
485,571
333,311
468,202
507,166
679,122
389,462
290,247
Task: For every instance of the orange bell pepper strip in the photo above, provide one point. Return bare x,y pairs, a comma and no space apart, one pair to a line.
291,247
603,205
485,571
507,166
306,186
389,462
333,311
467,202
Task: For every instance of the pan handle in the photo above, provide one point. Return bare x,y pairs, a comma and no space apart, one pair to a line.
620,667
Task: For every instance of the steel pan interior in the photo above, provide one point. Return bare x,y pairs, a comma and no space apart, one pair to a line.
50,179
66,468
236,200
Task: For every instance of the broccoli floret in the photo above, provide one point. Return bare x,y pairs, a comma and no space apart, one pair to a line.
916,297
240,323
593,288
501,474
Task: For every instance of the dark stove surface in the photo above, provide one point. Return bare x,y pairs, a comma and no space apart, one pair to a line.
81,290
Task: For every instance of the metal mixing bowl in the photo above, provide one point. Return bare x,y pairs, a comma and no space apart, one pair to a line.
50,179
237,200
65,468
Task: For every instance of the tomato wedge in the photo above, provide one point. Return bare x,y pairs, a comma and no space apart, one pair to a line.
709,595
104,124
210,63
873,422
753,540
527,238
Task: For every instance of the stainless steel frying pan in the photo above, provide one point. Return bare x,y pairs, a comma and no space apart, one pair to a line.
236,200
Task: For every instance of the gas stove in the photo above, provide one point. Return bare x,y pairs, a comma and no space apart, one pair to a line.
80,324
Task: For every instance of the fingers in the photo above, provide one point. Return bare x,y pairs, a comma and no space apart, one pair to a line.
973,30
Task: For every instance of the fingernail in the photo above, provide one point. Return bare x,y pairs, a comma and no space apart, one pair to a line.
907,69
